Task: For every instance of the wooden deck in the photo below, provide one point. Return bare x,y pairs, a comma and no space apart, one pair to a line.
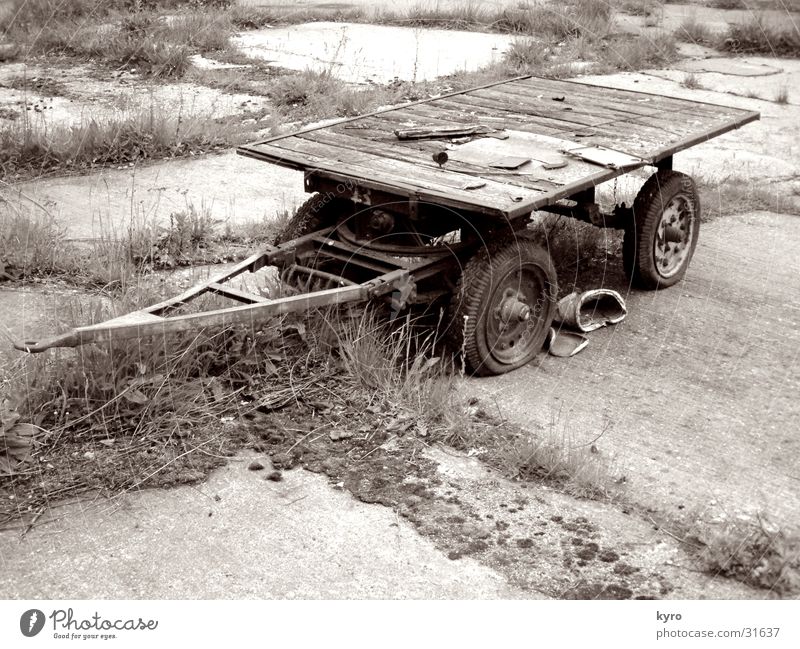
534,118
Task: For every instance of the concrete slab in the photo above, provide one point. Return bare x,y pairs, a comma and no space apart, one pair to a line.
694,393
732,67
236,536
229,187
371,53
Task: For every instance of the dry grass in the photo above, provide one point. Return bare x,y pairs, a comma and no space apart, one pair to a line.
644,8
645,51
403,366
756,553
34,246
755,36
691,81
29,150
782,95
736,195
580,470
124,33
693,31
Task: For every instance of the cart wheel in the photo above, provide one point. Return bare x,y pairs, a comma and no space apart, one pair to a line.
316,213
660,242
503,306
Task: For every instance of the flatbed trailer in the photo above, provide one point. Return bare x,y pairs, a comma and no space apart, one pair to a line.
430,200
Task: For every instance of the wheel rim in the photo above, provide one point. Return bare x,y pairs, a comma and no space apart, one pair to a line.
514,326
674,236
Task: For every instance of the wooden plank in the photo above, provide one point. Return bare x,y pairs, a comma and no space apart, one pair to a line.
570,119
493,193
378,112
377,177
458,113
553,110
575,98
545,181
592,113
423,157
424,151
519,121
594,135
624,97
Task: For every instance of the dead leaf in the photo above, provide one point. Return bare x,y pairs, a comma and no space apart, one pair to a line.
136,396
268,368
337,434
8,415
15,446
399,424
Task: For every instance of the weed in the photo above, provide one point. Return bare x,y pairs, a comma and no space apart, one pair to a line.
571,19
691,81
526,55
693,31
119,32
205,32
28,150
254,17
311,94
466,16
643,8
35,246
727,4
579,470
755,36
402,367
29,246
782,95
736,195
647,51
756,553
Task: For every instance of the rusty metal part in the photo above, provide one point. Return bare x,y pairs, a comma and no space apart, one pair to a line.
674,235
591,310
565,343
382,275
457,130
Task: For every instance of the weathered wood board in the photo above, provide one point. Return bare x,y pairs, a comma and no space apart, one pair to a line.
599,133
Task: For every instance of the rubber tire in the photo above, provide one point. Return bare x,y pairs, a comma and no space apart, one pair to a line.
637,245
313,215
481,274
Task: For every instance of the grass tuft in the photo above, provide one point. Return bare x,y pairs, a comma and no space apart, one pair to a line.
755,553
737,195
27,149
646,51
693,31
755,36
691,81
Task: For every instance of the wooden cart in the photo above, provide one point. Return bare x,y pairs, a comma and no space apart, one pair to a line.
430,200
